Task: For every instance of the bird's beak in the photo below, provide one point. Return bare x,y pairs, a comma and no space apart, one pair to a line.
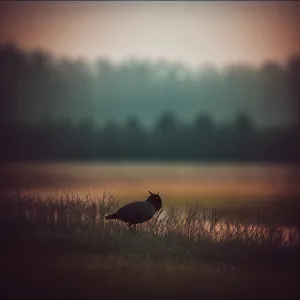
150,193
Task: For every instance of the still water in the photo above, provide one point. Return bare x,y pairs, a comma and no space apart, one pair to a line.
176,182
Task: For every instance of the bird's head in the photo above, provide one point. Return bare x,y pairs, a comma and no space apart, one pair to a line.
155,200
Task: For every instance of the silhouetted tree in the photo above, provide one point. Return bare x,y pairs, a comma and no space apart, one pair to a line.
135,139
203,138
110,144
165,135
242,141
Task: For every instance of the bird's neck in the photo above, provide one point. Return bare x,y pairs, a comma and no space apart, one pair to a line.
152,203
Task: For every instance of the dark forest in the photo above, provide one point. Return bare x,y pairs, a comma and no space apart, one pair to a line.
63,109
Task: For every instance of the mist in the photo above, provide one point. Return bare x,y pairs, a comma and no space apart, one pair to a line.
55,108
36,84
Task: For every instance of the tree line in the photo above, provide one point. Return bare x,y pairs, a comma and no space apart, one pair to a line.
36,83
168,139
61,108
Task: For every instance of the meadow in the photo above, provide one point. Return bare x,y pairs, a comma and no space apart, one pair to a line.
62,247
225,232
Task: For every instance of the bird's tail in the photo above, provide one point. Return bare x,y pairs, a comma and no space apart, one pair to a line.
111,217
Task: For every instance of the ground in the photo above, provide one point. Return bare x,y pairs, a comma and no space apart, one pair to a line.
34,268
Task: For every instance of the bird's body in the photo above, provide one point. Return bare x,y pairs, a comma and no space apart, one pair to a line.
138,212
134,212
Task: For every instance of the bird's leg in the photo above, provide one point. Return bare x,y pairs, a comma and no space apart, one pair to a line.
129,226
135,229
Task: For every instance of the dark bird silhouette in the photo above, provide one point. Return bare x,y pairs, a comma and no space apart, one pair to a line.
138,212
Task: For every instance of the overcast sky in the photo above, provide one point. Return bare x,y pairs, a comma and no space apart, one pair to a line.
192,32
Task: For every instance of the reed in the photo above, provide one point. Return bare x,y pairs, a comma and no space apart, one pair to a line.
192,232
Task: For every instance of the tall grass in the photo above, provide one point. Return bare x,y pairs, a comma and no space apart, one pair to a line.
189,233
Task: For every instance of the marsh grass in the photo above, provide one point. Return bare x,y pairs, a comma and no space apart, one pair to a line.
179,234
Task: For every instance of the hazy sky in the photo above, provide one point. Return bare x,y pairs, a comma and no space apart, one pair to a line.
193,32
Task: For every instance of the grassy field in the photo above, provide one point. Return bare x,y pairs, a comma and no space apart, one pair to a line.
44,270
58,248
